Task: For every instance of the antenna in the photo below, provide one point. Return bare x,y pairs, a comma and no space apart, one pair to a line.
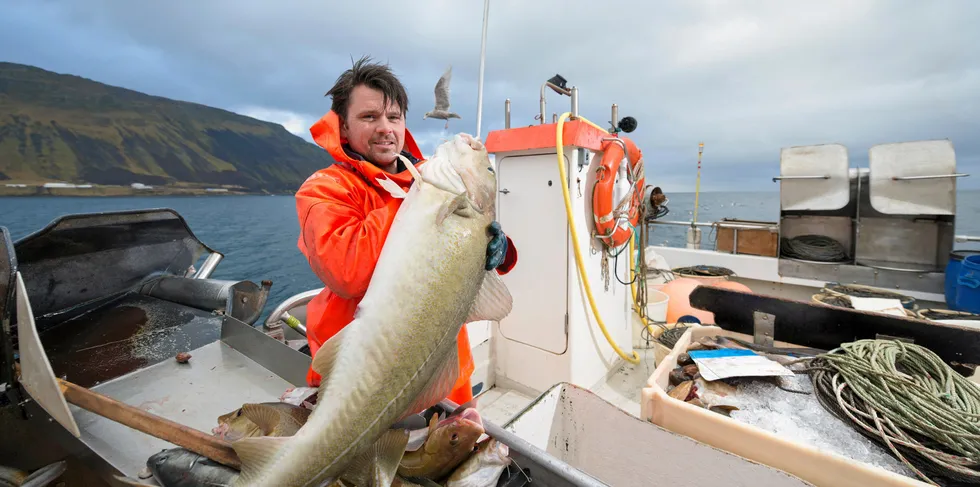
483,58
697,185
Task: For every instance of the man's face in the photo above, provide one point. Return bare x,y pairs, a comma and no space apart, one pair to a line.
374,131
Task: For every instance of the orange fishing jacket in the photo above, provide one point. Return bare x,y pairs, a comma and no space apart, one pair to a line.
344,218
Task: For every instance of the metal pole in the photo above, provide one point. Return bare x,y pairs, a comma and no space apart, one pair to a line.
574,103
507,113
697,186
615,115
208,266
544,105
483,57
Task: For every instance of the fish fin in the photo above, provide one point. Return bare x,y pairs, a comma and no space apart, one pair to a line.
391,187
434,422
440,385
325,358
418,482
493,302
412,169
416,438
266,418
450,207
256,454
376,467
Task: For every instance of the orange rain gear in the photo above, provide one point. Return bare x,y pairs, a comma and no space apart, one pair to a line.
344,218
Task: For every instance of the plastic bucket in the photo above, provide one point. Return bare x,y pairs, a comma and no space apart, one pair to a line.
953,271
968,285
657,305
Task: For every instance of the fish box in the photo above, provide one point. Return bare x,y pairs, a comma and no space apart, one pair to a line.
579,428
818,467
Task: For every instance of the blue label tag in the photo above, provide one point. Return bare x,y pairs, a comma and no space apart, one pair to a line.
724,352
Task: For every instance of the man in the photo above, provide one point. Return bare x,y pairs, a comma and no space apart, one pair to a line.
344,214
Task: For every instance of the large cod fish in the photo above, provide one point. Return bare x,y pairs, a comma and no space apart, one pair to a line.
399,354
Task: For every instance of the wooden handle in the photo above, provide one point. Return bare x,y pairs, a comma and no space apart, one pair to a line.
196,441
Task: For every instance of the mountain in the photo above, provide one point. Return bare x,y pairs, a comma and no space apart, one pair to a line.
58,127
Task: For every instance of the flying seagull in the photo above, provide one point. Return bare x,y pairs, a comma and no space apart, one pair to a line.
441,110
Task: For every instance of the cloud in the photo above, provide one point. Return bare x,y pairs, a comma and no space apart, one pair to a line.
295,123
747,78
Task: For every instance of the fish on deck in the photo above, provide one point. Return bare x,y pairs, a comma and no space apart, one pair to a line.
484,468
179,467
261,419
449,442
399,355
44,476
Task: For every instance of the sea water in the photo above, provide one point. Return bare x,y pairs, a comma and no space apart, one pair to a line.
258,234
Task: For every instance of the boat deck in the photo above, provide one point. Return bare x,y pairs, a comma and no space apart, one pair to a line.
622,389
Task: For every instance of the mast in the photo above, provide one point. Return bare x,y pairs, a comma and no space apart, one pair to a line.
483,57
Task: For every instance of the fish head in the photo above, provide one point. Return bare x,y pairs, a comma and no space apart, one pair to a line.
179,466
456,435
494,452
463,164
171,464
235,426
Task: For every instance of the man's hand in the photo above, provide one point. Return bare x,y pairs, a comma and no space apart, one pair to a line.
497,249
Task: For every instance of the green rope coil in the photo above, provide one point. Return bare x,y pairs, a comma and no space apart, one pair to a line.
905,397
817,248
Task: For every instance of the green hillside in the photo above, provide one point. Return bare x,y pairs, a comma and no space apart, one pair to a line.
56,127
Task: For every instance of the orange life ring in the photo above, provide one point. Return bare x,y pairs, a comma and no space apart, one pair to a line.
614,225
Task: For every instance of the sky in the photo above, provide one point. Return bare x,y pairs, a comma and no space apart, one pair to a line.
746,78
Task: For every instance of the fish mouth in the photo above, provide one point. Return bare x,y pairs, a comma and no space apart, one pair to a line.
220,430
468,415
468,139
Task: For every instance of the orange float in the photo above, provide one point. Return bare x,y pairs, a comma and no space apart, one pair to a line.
680,290
610,220
679,304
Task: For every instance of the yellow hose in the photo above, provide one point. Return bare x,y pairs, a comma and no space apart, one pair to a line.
634,359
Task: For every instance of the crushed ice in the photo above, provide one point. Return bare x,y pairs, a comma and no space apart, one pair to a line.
799,417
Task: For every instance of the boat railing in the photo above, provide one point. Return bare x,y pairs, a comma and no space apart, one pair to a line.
737,225
740,225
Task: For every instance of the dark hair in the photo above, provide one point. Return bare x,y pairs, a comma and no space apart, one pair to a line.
374,75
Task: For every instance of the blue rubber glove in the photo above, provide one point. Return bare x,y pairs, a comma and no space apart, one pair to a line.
497,249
